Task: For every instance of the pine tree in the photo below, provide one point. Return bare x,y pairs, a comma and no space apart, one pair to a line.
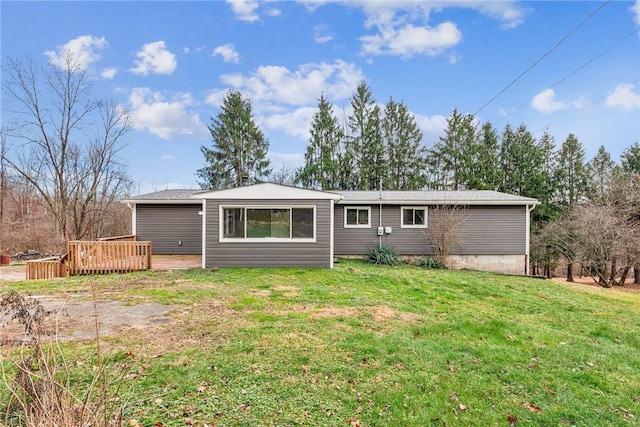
630,159
323,154
239,146
522,163
571,175
454,152
366,156
548,210
600,171
405,155
485,165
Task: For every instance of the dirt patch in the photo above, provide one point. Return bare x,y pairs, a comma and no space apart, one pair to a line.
378,313
12,273
629,286
75,320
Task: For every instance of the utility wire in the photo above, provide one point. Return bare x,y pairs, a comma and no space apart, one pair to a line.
543,56
576,70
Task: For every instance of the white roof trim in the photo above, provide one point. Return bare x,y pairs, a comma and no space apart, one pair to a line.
162,201
425,202
267,191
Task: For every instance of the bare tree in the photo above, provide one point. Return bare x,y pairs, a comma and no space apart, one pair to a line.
64,143
285,175
444,232
607,242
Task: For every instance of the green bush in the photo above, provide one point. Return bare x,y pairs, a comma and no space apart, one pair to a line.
428,262
384,254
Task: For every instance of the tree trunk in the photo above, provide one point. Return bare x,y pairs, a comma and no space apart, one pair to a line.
614,268
623,276
569,271
636,274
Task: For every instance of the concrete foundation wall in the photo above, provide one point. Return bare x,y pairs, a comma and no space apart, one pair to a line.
505,264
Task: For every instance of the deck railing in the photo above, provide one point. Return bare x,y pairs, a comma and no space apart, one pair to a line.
121,254
102,257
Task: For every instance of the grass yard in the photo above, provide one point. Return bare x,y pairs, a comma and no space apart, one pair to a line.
365,345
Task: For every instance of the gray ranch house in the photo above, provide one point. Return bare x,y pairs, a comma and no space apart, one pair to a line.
276,225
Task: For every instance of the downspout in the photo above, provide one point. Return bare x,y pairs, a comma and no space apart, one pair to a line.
380,215
133,217
528,239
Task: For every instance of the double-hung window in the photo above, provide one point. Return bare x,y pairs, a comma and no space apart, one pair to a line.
357,217
273,223
414,217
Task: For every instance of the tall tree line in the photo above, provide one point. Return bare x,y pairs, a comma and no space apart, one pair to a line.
376,147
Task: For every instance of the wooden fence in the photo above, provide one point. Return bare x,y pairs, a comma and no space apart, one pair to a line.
47,268
122,254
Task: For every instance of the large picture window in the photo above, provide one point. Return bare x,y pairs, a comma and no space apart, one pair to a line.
256,223
414,217
355,217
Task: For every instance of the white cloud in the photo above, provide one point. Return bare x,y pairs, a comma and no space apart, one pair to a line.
625,96
410,40
403,27
109,73
150,111
168,157
288,160
454,58
245,10
321,34
82,49
270,86
635,10
545,102
295,123
227,52
431,126
273,12
155,58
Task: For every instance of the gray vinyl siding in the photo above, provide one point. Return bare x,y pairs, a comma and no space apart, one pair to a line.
269,254
165,225
487,230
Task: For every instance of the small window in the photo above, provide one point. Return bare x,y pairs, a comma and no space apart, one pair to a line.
357,217
414,217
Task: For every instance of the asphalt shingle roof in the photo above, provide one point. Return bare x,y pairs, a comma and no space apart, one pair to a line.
462,196
175,194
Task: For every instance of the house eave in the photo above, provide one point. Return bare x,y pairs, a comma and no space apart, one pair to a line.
422,202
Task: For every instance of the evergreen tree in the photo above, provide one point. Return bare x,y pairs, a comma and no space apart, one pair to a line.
548,210
630,159
323,154
453,153
571,175
366,156
485,165
522,163
406,157
239,146
600,171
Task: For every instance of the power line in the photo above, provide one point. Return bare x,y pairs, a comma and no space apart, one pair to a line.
576,70
543,56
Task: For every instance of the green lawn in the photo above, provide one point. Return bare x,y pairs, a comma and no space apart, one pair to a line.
366,345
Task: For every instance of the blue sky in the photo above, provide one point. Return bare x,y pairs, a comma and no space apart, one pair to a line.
170,64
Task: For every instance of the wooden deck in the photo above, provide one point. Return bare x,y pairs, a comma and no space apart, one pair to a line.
120,254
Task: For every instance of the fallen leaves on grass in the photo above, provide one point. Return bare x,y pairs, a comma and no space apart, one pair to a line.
533,408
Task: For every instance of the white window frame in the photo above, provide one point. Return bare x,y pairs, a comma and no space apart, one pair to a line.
414,208
221,222
359,208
